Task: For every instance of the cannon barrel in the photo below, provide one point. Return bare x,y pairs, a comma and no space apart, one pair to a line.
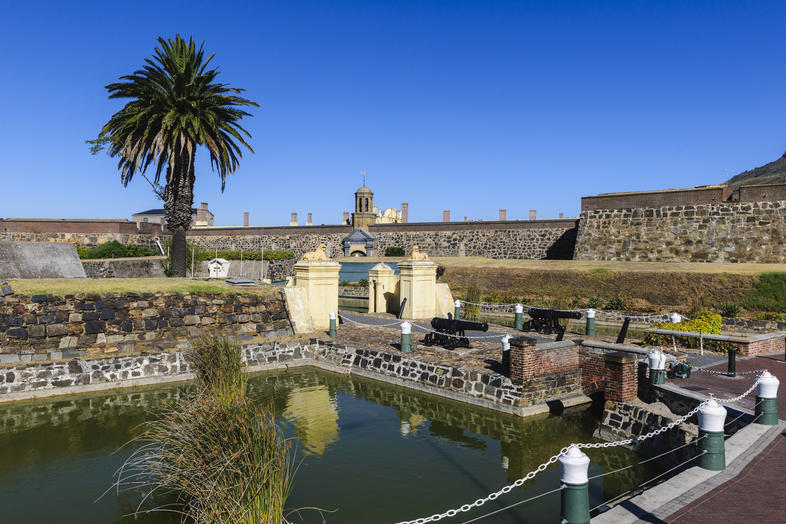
543,313
451,324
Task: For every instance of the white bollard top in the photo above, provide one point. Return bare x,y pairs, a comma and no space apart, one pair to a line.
675,318
406,328
767,386
590,313
332,315
519,308
657,360
712,416
574,466
506,343
458,303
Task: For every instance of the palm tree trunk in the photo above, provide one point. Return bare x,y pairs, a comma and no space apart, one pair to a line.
178,206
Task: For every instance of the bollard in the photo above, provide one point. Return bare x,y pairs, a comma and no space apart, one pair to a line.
675,318
590,331
332,331
732,371
711,418
767,400
457,310
519,323
506,355
657,361
575,495
406,337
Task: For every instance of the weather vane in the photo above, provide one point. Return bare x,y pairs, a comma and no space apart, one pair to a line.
364,177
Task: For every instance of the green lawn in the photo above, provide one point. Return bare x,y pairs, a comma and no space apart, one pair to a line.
69,286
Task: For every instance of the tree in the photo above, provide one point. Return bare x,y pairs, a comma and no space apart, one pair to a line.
176,105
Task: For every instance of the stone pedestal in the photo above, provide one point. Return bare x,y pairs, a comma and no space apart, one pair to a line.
419,286
383,292
622,381
319,283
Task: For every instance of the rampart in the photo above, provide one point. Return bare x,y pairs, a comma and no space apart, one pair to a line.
710,224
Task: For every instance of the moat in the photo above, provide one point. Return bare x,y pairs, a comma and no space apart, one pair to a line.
368,452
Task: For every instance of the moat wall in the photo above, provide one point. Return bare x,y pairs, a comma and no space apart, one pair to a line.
46,327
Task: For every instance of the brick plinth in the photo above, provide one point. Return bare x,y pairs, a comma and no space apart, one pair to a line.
621,377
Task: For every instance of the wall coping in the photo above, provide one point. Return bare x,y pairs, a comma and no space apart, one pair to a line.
723,338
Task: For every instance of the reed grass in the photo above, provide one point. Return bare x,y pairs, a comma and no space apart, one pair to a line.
218,453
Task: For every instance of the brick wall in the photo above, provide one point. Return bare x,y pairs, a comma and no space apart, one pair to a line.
544,370
46,327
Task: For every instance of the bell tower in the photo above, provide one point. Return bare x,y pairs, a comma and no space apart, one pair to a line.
365,211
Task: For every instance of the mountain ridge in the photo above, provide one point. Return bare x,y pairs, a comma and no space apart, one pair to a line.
772,173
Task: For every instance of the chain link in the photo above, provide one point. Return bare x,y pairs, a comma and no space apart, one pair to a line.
751,372
424,328
738,397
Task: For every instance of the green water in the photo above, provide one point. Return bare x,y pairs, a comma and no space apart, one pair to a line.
369,452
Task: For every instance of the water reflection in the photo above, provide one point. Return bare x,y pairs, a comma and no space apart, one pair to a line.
365,445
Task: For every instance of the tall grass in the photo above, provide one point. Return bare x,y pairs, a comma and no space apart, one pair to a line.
218,453
768,293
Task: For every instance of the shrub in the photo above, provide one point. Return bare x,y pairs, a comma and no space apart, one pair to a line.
440,271
595,302
705,321
729,309
363,282
395,251
768,316
273,254
616,304
115,249
472,311
217,364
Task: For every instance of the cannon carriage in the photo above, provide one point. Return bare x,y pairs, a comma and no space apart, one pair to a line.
449,332
546,321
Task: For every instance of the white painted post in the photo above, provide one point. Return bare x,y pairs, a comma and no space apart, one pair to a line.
675,318
711,418
519,321
767,399
657,363
406,337
575,495
506,355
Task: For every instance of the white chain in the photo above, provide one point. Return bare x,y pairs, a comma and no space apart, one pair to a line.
492,496
371,325
751,372
584,445
494,305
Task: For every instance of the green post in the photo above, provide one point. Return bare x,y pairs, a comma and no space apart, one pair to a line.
332,331
767,400
590,331
657,362
457,310
711,418
519,322
406,337
575,495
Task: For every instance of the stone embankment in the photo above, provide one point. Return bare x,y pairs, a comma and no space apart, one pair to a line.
47,327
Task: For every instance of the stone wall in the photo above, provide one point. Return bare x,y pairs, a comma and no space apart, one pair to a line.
89,233
46,327
548,366
684,226
148,267
489,389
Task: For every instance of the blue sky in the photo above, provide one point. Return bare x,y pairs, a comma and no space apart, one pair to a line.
467,106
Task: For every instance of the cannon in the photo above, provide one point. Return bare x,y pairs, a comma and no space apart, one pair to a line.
450,332
546,321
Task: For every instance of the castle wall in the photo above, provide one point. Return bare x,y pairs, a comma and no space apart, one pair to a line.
668,226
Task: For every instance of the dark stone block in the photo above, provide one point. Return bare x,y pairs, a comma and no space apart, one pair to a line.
36,331
17,332
151,324
163,323
85,307
13,320
91,315
107,314
74,367
38,298
46,319
94,326
176,322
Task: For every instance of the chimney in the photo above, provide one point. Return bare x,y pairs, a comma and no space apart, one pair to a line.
532,214
562,215
293,219
404,212
309,220
346,218
465,219
245,218
202,216
503,214
446,215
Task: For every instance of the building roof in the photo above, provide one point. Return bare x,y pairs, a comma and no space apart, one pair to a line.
363,189
358,236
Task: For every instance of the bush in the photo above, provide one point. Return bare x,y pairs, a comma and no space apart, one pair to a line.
616,304
595,302
472,311
706,322
768,316
115,249
273,254
395,252
363,282
729,310
440,271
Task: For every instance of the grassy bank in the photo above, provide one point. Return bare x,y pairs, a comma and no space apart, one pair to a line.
70,286
640,286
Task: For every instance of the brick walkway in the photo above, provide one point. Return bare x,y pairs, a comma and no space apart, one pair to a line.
756,493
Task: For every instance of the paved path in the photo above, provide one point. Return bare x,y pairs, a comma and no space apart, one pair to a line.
755,494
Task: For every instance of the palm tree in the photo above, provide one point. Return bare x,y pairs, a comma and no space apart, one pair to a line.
175,106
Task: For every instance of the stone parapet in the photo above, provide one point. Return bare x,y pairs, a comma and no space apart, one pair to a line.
47,327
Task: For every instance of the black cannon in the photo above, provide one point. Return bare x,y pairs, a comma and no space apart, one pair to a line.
546,321
450,332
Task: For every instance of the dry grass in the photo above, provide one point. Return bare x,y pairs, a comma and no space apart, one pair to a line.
589,265
69,286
